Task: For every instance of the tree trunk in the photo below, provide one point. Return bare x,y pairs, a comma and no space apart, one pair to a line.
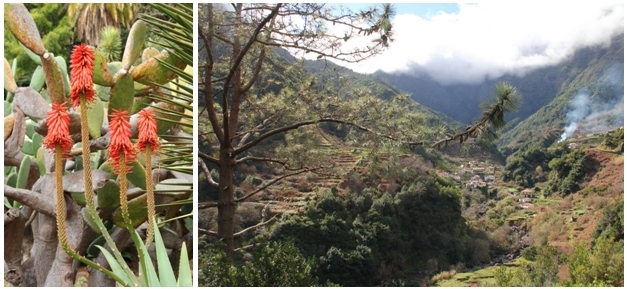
226,200
44,232
64,267
14,223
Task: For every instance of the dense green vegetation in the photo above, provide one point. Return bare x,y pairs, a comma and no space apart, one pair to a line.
273,264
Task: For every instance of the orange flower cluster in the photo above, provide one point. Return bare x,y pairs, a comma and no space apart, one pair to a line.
81,75
147,125
120,140
58,129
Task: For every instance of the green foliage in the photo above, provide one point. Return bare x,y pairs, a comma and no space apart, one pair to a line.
530,253
110,44
604,265
614,140
366,237
56,34
545,269
612,225
567,172
503,276
148,276
273,264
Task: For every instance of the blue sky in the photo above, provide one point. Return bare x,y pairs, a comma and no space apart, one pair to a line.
423,10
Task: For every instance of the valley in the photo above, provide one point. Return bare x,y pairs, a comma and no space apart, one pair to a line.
315,174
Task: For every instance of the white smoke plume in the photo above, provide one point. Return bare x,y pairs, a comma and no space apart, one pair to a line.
579,109
590,116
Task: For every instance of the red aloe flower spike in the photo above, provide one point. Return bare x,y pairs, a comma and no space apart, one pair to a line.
81,65
147,125
58,129
120,140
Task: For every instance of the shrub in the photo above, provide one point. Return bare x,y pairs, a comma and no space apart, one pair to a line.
274,264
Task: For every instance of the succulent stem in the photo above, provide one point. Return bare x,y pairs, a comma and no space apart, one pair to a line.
89,192
150,196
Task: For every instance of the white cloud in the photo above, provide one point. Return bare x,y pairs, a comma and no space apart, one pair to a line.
495,38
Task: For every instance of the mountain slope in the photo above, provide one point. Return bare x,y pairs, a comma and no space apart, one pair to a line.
597,80
538,88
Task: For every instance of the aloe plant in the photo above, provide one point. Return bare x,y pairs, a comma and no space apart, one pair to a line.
35,176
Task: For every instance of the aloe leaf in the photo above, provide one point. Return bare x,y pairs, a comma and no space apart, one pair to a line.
185,273
37,139
64,73
7,108
30,129
137,176
55,84
115,266
11,180
153,71
38,80
163,263
27,148
134,44
21,24
149,53
9,97
102,92
88,218
79,199
102,73
34,57
9,80
22,173
40,161
109,196
137,212
7,203
96,116
122,93
92,249
146,268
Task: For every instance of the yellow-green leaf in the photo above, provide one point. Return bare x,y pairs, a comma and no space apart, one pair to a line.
137,212
54,79
102,74
21,24
9,80
137,176
95,113
134,44
122,93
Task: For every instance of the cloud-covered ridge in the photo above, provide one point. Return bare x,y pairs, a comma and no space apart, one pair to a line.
492,39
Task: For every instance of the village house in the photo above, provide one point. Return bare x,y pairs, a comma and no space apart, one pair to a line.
477,170
573,146
526,193
489,178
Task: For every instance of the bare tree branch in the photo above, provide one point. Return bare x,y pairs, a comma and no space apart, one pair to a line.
208,158
32,199
207,205
255,226
207,232
260,159
207,173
